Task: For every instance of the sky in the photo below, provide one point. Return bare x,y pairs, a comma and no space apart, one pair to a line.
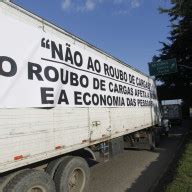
130,30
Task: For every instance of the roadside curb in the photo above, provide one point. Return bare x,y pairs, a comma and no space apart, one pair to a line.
154,186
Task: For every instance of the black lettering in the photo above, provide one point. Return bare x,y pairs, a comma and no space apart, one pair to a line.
95,83
86,98
84,81
111,87
56,51
78,59
122,102
47,71
111,71
66,79
95,99
99,84
115,101
103,100
77,98
106,69
97,66
68,55
46,95
121,75
102,83
109,100
63,98
90,64
125,76
13,68
34,69
74,79
132,79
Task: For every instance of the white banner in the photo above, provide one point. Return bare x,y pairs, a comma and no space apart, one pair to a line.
38,69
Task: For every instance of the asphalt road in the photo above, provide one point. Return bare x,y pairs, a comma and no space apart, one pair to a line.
137,170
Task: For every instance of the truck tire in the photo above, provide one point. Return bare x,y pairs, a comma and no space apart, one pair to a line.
29,181
5,179
72,175
53,165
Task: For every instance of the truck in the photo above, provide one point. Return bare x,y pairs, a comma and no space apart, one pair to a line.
64,103
173,113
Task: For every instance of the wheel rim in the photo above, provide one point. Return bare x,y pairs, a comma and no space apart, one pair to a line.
37,189
76,182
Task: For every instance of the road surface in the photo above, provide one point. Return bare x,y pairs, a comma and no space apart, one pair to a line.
137,170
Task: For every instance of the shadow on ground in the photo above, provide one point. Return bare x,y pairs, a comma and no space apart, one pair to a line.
168,151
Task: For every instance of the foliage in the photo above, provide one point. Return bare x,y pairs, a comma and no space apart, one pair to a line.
179,43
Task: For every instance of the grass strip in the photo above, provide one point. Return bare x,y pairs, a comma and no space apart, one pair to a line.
182,180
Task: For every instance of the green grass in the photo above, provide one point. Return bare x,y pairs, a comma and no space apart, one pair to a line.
182,181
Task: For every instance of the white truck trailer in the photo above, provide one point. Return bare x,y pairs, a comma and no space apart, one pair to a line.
173,113
63,101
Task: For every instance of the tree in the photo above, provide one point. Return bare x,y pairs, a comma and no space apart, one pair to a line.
179,43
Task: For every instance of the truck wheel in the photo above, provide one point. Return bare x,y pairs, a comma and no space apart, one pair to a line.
53,165
72,175
30,181
5,180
